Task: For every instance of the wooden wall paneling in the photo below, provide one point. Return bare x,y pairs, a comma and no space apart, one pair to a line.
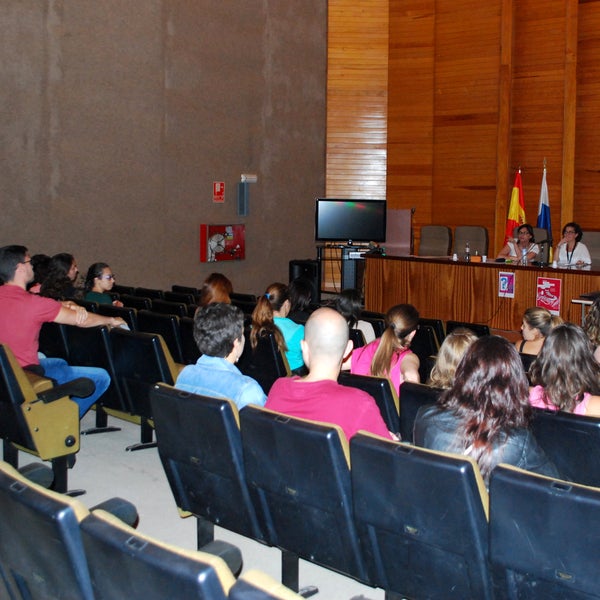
503,183
540,81
410,108
587,157
356,162
467,38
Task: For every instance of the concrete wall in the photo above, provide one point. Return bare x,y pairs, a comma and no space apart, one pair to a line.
117,116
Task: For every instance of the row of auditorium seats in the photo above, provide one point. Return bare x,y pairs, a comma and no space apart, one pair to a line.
53,547
411,521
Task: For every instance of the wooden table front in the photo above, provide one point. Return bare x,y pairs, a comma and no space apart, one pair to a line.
443,289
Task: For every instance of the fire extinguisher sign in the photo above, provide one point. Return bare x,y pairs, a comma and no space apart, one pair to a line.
219,191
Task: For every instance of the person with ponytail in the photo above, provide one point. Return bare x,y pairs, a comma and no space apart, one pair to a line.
271,316
98,282
390,355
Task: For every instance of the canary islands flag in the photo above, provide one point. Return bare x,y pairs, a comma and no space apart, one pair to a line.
516,210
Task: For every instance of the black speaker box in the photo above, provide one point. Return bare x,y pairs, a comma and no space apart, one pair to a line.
308,270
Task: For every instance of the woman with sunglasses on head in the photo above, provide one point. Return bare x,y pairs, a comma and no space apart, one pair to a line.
570,251
98,282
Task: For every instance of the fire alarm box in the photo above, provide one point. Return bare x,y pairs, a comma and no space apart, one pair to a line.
222,242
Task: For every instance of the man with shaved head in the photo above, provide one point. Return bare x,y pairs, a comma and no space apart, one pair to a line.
318,395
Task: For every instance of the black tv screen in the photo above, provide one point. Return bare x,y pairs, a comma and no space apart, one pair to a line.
338,220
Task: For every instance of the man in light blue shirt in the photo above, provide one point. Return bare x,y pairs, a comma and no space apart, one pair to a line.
219,334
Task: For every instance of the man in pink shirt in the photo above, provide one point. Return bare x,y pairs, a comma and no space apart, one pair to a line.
22,315
318,395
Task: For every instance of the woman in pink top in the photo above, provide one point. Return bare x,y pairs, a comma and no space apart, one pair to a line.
390,355
565,375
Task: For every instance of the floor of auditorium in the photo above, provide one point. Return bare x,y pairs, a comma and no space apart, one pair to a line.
104,469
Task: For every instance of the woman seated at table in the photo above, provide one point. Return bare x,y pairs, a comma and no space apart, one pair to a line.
565,374
513,250
570,251
485,414
537,324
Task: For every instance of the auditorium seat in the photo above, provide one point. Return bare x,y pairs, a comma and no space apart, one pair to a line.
125,563
592,241
479,329
299,472
186,289
123,289
382,391
137,302
45,424
438,327
90,306
127,313
475,235
543,536
167,326
91,347
412,397
436,240
265,363
141,360
189,348
421,518
152,293
52,341
183,297
425,345
572,443
167,307
357,337
256,585
41,553
200,448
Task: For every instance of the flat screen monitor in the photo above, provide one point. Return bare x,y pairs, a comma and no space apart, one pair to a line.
338,220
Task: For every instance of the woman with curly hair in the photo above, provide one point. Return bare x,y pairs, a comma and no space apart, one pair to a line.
62,275
271,316
592,327
565,375
485,414
452,350
390,355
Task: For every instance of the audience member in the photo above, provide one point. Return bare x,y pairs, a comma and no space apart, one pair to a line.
513,250
537,324
349,304
216,288
570,251
592,327
270,315
451,352
300,292
22,315
485,413
565,374
60,283
41,266
318,395
390,355
98,282
219,334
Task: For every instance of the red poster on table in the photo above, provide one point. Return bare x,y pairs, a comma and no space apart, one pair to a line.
548,294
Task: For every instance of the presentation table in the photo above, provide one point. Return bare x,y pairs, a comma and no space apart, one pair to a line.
471,291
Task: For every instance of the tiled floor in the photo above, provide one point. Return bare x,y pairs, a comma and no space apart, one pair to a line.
104,469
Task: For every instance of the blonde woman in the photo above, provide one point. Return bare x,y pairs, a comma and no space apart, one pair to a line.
537,324
452,350
390,355
592,327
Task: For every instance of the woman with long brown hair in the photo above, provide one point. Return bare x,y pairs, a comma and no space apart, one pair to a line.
485,414
390,355
271,316
565,374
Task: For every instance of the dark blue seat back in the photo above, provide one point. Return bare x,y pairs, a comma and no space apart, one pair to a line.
421,520
412,397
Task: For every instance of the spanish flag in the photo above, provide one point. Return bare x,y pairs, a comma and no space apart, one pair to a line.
516,210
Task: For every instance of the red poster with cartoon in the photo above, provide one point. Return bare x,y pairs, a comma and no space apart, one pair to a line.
548,294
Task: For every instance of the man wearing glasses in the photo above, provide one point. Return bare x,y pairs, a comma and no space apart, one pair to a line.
22,315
